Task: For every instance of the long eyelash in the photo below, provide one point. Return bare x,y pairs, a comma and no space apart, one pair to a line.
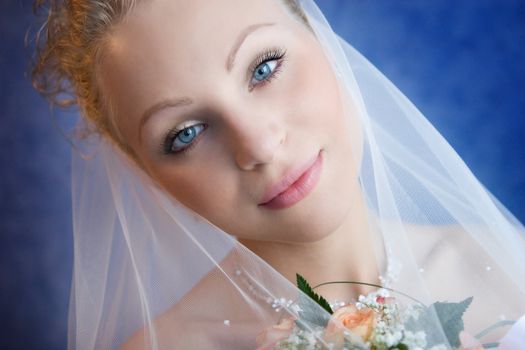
270,78
168,140
172,134
268,55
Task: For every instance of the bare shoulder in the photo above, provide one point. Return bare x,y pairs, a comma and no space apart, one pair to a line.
435,240
199,321
455,266
169,334
176,327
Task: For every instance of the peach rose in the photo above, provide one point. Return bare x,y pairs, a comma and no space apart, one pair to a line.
359,322
268,338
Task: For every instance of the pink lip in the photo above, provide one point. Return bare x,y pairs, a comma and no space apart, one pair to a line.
294,186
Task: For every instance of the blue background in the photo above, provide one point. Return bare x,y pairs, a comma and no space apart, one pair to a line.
460,62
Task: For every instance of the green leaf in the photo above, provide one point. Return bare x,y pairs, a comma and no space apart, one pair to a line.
450,315
399,346
304,286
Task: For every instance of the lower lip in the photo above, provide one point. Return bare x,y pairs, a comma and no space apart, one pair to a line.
299,189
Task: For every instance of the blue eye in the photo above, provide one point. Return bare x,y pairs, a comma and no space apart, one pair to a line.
264,70
266,66
182,139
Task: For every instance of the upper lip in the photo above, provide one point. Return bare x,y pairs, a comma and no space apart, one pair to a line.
291,176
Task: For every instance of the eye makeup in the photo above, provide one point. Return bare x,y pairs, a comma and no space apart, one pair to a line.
261,65
187,134
268,55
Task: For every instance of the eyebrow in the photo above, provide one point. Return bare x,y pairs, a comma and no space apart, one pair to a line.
238,43
157,107
184,101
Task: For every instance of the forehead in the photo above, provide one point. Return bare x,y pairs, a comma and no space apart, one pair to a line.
171,38
172,44
187,23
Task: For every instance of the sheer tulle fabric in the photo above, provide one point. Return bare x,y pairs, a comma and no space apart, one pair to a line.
149,273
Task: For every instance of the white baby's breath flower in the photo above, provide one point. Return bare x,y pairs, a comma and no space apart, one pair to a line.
296,308
412,311
393,338
383,293
417,340
381,324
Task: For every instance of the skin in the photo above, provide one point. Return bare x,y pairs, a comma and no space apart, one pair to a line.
255,133
175,48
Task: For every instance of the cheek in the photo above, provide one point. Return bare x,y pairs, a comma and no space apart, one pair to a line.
333,109
193,186
315,90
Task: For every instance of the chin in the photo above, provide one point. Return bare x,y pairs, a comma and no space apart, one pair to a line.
317,216
323,221
330,206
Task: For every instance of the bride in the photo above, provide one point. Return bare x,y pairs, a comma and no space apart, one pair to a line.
227,146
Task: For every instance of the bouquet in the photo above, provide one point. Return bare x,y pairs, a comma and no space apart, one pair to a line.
380,320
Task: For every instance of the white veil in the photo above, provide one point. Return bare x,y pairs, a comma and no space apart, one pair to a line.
151,274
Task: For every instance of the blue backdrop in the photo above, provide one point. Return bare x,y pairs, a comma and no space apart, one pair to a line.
460,62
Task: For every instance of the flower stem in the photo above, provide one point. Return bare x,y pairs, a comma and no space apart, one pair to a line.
371,285
493,327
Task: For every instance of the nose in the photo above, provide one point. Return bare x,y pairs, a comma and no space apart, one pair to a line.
257,143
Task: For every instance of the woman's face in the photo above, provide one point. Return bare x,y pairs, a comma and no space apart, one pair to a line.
221,101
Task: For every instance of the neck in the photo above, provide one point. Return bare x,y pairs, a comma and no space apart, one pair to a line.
347,254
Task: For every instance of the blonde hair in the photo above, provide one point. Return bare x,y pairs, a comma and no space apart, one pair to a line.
69,45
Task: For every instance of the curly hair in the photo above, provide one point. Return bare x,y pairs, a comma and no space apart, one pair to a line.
68,47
